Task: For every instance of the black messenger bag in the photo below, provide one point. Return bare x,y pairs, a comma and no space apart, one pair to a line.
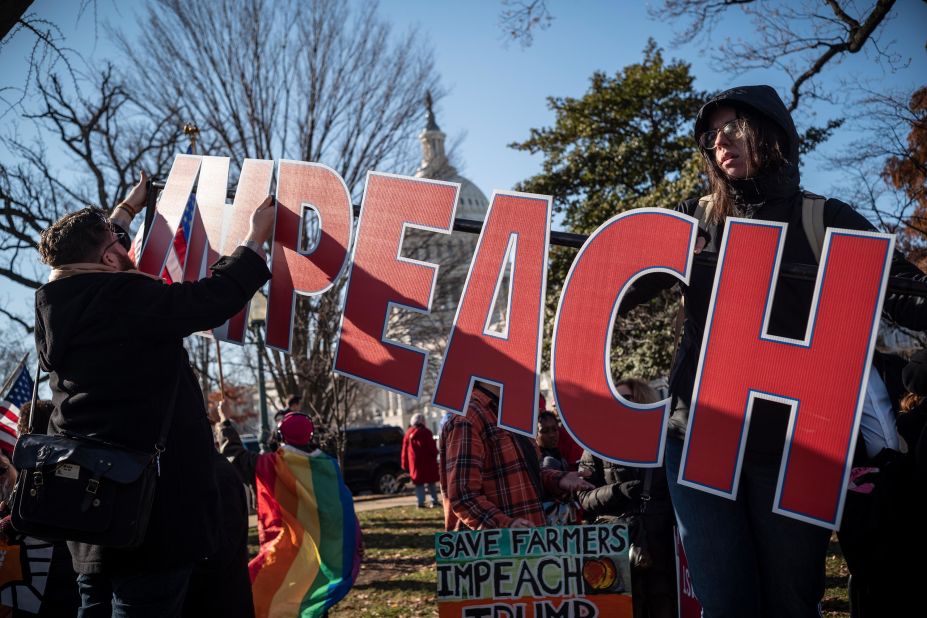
71,488
77,488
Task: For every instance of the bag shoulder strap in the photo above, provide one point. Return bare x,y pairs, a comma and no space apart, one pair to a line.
812,221
165,426
645,490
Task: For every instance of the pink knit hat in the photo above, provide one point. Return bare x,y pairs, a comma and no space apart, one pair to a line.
296,429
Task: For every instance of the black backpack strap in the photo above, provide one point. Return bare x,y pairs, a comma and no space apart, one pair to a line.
812,221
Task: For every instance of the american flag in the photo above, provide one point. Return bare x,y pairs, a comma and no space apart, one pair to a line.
20,391
173,268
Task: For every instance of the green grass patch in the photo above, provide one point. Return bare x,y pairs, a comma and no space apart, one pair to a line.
836,603
397,577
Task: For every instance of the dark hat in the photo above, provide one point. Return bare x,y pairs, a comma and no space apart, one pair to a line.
914,374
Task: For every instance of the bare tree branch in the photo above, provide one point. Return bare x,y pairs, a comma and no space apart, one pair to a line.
800,40
29,328
108,136
520,18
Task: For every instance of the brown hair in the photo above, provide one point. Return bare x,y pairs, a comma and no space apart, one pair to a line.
75,237
910,401
765,145
43,412
643,392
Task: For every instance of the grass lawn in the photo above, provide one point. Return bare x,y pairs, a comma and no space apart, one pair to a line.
397,578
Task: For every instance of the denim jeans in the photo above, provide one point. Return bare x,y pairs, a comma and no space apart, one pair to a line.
420,494
745,560
140,595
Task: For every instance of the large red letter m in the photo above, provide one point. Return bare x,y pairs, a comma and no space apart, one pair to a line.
822,378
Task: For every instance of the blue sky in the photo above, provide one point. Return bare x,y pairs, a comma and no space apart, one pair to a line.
497,92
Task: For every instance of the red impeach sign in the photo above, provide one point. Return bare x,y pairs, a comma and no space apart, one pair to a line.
822,378
625,247
312,240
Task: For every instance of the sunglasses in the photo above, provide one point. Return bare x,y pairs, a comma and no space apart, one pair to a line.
122,237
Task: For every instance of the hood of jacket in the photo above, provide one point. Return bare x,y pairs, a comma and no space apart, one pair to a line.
763,100
782,182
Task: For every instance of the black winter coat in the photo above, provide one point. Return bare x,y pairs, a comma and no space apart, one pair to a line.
113,346
618,488
775,197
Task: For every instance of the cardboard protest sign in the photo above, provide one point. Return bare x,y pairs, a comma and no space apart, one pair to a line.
689,607
515,235
822,378
24,574
577,571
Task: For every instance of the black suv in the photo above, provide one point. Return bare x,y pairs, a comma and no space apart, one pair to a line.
373,459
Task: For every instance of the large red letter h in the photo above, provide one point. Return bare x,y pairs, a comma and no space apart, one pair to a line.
822,378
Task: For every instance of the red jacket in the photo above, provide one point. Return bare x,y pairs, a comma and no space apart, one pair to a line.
420,455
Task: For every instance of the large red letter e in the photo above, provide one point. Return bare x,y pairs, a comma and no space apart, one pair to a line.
382,279
822,378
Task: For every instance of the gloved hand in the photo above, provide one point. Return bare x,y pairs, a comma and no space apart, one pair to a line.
631,490
9,534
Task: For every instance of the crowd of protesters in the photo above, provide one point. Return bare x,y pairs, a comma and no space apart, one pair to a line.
110,339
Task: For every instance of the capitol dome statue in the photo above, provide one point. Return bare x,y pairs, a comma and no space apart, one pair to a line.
435,166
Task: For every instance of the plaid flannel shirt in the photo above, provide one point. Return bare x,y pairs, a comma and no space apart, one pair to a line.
485,479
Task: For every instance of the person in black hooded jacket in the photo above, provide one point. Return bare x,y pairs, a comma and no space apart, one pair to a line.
744,559
111,339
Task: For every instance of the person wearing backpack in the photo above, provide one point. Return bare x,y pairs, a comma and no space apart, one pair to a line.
744,559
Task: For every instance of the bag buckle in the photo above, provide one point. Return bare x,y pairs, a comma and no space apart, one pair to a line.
92,486
37,478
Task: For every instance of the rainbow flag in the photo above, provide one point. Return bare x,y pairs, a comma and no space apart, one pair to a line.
310,539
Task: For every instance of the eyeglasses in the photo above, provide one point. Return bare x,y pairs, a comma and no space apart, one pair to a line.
732,129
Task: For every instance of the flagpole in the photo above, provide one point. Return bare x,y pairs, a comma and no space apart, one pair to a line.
221,376
9,379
